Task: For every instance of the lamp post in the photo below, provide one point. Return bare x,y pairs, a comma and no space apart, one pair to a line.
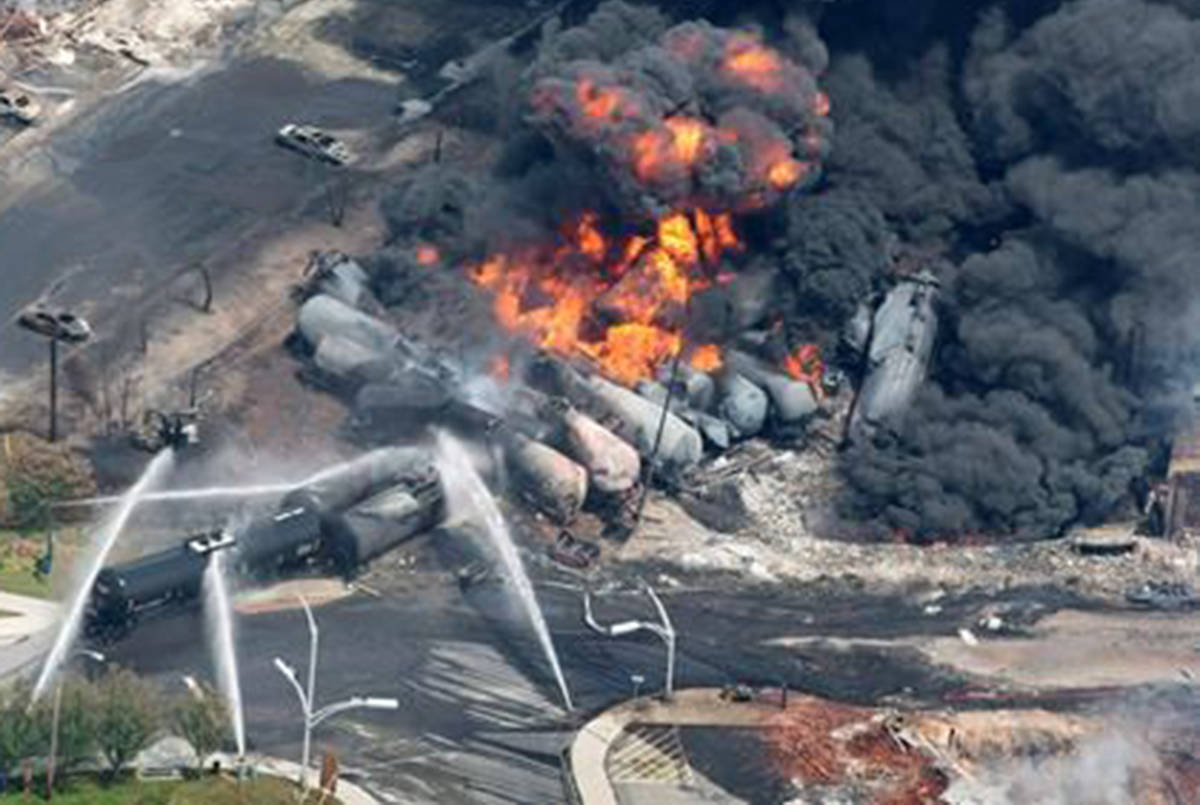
55,326
665,630
313,718
636,680
50,761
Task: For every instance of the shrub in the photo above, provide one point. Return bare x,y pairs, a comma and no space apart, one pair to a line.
35,473
128,710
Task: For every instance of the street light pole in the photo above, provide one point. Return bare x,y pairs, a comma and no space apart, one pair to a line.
312,719
313,638
667,633
53,389
664,630
54,326
52,760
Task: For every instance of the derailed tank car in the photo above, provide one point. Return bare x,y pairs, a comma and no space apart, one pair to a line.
279,542
337,490
342,520
126,593
384,520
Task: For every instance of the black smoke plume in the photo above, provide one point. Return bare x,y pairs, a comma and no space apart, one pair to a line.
1041,155
1070,138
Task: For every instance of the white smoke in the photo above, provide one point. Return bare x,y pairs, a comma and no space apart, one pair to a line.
1100,771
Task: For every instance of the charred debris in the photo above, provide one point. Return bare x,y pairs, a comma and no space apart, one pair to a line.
700,233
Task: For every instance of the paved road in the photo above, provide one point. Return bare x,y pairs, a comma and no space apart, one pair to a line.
480,720
164,174
25,632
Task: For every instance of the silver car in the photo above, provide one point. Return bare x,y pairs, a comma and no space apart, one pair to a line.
18,106
314,143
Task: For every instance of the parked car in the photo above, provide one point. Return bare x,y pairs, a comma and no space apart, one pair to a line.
314,143
55,323
18,106
572,552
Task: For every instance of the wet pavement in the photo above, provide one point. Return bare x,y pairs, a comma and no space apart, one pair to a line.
480,719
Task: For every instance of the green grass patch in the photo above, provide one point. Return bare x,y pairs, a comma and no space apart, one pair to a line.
87,792
259,791
205,791
18,557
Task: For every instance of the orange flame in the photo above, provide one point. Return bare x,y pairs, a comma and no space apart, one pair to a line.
707,358
806,366
591,242
427,255
785,173
753,63
599,102
678,145
499,368
687,138
623,313
821,105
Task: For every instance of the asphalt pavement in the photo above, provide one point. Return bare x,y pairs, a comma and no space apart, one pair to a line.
481,718
164,174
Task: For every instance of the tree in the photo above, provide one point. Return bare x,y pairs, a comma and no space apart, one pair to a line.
128,716
19,736
77,723
201,717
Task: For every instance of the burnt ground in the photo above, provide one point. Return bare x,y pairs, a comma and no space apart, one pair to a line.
480,719
179,167
174,172
166,175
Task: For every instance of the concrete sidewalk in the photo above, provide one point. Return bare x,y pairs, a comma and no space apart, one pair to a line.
26,635
698,707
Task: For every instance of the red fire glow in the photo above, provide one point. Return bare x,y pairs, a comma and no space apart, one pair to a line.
427,255
806,366
752,63
618,302
686,164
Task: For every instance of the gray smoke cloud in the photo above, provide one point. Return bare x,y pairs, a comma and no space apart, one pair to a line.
688,114
902,146
1103,770
1072,340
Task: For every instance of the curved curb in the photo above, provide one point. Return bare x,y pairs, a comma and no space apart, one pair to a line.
587,776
